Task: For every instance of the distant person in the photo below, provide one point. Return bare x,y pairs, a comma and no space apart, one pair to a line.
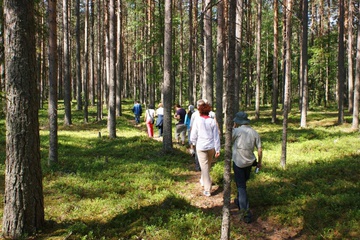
191,110
244,139
160,118
180,127
137,110
205,136
149,120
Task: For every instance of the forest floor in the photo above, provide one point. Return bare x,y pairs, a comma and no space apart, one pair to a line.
257,229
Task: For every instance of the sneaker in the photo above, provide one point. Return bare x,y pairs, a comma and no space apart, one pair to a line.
207,193
201,182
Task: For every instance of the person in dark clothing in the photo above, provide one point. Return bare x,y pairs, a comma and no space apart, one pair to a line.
137,110
180,128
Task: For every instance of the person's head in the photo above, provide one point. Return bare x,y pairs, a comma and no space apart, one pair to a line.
191,108
160,105
151,106
241,118
204,109
177,106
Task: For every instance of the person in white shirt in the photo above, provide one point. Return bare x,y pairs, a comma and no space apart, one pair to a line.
205,135
149,120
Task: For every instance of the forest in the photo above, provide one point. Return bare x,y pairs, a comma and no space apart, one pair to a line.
278,60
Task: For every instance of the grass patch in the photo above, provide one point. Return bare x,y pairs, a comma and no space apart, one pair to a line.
127,188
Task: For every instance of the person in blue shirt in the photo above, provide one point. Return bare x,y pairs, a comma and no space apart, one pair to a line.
137,110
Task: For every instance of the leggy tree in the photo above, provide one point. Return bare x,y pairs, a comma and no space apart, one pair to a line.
23,198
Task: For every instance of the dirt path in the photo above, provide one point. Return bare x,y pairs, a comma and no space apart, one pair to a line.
257,229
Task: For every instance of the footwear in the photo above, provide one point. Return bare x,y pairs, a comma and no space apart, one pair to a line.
201,182
236,201
207,193
245,215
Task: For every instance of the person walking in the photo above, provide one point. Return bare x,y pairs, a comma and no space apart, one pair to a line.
205,136
180,127
160,118
149,120
137,110
245,139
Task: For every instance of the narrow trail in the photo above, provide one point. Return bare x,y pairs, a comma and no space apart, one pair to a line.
257,229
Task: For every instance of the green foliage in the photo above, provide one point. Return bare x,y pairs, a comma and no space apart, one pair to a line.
127,188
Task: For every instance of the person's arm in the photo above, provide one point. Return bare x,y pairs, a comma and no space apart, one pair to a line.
259,157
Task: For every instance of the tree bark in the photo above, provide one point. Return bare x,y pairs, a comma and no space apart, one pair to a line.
350,57
23,197
67,81
287,80
304,65
258,60
341,64
112,72
355,120
230,97
275,71
220,65
53,87
167,87
78,57
208,83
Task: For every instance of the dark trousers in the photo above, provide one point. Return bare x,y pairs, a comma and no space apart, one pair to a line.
241,176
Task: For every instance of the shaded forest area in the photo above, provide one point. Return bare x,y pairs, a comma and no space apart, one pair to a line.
236,54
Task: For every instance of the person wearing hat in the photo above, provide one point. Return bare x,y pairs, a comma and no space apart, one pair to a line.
244,139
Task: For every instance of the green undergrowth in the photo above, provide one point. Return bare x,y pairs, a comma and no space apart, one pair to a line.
127,188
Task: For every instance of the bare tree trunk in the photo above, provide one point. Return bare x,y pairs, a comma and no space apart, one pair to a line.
304,65
23,198
78,57
341,64
287,80
119,64
275,71
190,61
355,120
350,57
258,60
67,80
220,66
53,97
86,58
238,55
100,64
112,71
167,90
92,55
230,97
208,84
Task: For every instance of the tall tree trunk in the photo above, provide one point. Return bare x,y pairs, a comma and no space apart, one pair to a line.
23,198
190,61
92,55
78,57
287,80
208,83
350,57
258,60
53,74
86,63
119,58
230,78
275,71
341,64
67,80
100,64
238,55
304,64
112,71
355,120
167,90
220,65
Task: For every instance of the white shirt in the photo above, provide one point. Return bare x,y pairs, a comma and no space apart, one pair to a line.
160,111
205,134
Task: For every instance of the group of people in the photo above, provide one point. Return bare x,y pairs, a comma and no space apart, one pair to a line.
204,139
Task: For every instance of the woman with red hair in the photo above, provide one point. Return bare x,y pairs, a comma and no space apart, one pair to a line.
205,136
